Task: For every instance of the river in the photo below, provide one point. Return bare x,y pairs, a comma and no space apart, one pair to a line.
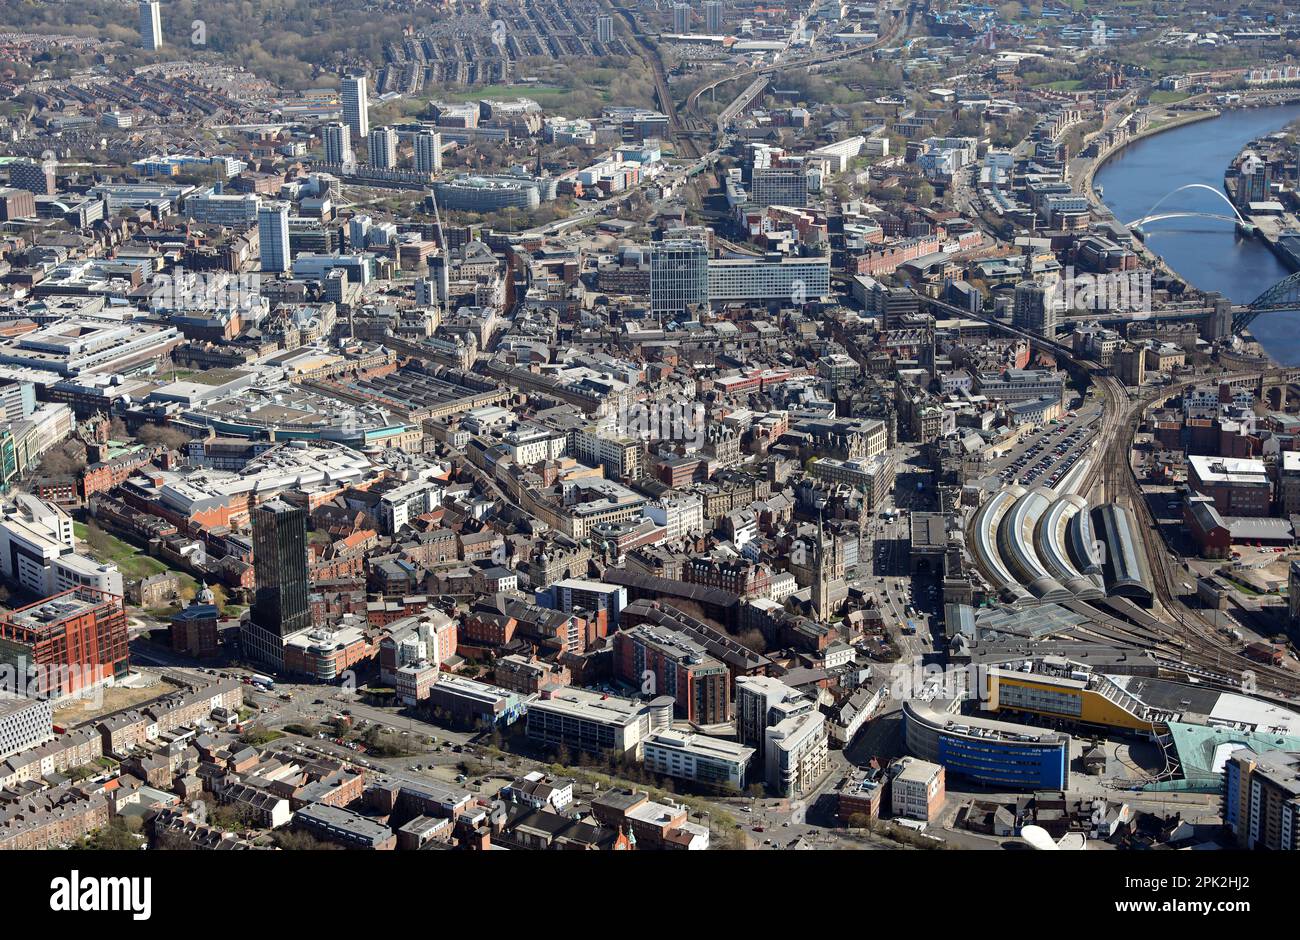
1208,253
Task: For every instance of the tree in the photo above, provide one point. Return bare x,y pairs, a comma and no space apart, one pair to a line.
171,438
100,542
64,460
116,836
295,840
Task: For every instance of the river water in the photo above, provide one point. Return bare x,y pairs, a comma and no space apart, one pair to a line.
1207,252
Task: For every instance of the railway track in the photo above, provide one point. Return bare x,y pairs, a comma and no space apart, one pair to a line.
1192,641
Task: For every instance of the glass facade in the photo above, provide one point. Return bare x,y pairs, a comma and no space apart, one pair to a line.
679,275
280,605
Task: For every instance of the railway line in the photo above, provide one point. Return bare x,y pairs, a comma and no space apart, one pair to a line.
1190,640
897,28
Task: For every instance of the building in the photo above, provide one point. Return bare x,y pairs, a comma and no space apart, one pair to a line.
470,704
1288,483
916,789
713,762
771,279
36,178
150,26
273,237
66,644
537,790
797,753
1034,309
280,606
344,827
16,204
713,17
24,723
529,675
991,753
356,109
681,18
679,275
660,661
1262,799
762,701
1293,593
194,627
428,152
594,599
605,29
337,138
37,551
383,148
595,722
1238,486
779,186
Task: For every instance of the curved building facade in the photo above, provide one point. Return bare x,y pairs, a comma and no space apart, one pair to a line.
1041,546
1016,545
983,530
992,753
1051,542
1125,563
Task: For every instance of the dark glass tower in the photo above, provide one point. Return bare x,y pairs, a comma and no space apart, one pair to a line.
280,567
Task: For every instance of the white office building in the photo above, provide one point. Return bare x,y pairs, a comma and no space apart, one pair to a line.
761,702
699,758
773,278
230,209
38,551
797,751
595,722
679,515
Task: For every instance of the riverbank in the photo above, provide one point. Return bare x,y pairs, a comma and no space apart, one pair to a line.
1213,255
1096,163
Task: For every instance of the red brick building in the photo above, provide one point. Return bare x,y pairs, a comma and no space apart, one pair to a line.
75,640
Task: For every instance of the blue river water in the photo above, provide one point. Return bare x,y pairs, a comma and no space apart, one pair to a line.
1206,252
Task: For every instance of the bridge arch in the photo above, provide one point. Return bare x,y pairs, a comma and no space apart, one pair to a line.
1284,292
1218,192
1161,216
1284,295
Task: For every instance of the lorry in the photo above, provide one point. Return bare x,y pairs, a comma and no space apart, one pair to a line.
265,682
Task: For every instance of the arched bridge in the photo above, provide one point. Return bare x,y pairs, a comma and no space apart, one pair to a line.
1154,216
1284,295
1161,216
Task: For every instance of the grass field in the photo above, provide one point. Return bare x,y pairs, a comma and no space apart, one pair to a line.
1066,84
133,562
